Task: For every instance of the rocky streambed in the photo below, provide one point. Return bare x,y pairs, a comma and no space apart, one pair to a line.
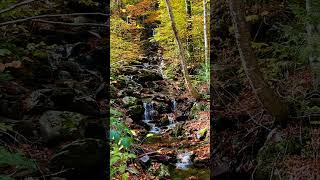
172,128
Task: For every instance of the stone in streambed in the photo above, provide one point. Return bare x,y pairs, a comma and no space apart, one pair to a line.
129,101
39,100
55,125
136,112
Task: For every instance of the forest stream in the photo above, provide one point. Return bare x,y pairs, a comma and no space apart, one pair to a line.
173,141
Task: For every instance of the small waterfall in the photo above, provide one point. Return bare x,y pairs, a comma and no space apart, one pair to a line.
184,160
172,123
173,104
148,110
148,117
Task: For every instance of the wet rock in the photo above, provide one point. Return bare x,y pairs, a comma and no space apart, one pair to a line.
181,118
145,160
63,75
39,100
162,107
136,112
149,75
164,120
85,157
86,105
61,124
129,101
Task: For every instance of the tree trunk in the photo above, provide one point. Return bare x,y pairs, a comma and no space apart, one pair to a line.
191,89
189,30
313,32
268,98
206,55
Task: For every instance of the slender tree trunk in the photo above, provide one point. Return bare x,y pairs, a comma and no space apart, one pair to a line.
206,55
313,32
189,29
268,98
191,89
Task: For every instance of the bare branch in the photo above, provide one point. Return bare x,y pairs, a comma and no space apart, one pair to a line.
15,6
71,24
48,16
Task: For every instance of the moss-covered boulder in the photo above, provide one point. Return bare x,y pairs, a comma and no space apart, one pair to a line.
129,101
55,125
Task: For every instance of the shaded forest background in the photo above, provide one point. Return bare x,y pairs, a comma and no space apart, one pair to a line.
248,141
53,91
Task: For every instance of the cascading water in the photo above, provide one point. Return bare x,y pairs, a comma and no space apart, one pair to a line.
174,104
148,117
184,160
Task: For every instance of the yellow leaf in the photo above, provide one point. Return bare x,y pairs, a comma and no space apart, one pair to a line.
133,133
124,10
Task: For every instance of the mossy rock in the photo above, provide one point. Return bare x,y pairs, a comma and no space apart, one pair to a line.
55,125
129,101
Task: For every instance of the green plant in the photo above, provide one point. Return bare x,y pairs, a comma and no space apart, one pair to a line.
16,160
121,138
5,76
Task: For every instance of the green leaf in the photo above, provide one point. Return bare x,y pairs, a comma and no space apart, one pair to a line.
114,159
126,142
4,52
150,135
115,135
122,168
125,176
5,127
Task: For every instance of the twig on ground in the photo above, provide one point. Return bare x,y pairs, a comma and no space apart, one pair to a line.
15,6
54,15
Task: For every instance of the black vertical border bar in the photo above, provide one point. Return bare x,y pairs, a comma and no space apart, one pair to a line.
211,89
107,81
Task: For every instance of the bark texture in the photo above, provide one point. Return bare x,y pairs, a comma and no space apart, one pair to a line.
191,89
268,98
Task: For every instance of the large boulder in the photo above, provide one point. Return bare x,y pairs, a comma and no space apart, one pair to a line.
86,105
55,125
149,75
136,112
